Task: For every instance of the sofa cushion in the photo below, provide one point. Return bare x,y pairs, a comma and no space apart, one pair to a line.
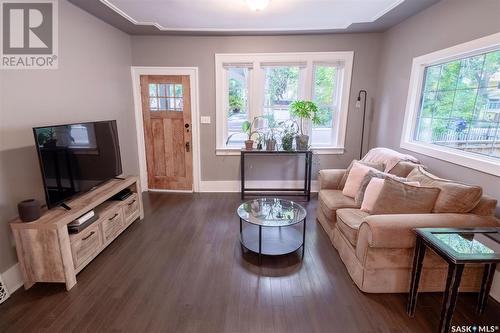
399,198
366,180
454,197
378,166
485,207
403,168
331,200
348,222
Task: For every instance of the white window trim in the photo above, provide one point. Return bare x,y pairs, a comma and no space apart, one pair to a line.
474,161
256,78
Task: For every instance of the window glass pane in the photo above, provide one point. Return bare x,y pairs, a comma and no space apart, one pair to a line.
237,104
152,89
432,75
170,90
324,96
178,90
460,105
281,88
162,104
178,104
162,90
491,72
153,103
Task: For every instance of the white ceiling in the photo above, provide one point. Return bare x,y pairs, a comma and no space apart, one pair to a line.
234,15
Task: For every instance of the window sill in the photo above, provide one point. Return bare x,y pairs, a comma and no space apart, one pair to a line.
316,150
470,160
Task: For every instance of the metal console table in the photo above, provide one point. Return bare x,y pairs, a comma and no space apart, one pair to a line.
303,192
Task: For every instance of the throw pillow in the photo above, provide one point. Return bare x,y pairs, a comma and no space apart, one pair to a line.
372,192
454,197
400,198
368,177
355,178
377,166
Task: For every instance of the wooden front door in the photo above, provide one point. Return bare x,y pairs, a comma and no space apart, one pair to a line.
166,110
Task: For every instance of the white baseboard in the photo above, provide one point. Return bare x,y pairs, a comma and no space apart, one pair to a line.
234,185
12,278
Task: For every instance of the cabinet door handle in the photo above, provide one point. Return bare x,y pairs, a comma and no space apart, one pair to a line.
87,237
131,203
112,218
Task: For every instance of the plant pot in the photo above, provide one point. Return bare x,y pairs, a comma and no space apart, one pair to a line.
287,143
271,145
302,141
249,144
259,146
236,110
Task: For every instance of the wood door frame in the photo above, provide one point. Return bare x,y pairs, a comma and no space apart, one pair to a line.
192,72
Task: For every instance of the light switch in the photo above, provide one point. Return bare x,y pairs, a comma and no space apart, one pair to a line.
205,120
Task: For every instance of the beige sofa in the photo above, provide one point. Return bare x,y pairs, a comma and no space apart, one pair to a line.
377,250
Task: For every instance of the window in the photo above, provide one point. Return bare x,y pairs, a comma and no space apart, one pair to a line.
252,85
324,95
281,88
237,101
453,110
165,97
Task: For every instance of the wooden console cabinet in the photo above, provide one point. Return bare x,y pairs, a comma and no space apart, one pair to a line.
48,253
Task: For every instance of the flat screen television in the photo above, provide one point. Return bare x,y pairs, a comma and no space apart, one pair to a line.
74,158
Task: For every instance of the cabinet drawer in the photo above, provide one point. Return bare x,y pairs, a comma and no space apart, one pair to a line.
112,225
130,209
85,244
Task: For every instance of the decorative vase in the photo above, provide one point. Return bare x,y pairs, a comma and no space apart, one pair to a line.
249,144
29,210
302,141
259,146
271,144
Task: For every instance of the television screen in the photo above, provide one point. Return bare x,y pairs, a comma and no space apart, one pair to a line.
74,158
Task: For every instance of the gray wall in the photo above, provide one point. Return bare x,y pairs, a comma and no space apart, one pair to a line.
200,51
445,24
92,83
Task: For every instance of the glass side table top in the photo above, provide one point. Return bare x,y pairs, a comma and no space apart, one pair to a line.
271,212
465,244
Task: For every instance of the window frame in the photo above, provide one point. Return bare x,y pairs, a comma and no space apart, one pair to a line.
256,79
474,161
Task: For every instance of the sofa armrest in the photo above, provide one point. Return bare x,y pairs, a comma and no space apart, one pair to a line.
330,178
396,231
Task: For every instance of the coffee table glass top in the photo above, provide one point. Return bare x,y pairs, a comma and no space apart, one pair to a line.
465,244
272,212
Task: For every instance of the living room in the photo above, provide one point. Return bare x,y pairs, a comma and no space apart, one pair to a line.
204,108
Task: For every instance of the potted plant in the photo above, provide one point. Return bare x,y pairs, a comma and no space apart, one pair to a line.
305,111
246,128
289,131
271,133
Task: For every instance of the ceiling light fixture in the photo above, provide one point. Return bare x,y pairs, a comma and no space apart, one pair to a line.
257,5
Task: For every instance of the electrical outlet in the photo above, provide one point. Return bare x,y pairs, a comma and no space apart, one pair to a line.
205,120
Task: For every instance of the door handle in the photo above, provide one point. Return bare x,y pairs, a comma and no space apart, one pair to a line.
187,147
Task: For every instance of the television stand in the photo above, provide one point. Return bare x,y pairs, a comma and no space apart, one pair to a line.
63,205
48,253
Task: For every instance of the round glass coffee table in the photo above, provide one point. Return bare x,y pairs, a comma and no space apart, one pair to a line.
280,220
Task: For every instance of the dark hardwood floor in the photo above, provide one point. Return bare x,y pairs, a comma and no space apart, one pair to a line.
182,270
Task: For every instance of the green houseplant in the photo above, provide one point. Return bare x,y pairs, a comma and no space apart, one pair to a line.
290,129
305,111
248,129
